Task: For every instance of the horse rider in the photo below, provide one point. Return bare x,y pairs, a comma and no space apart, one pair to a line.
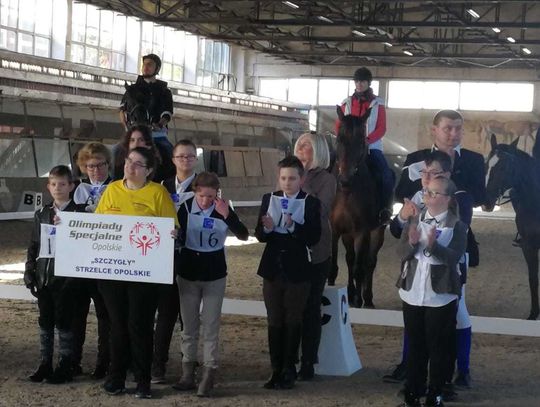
160,105
357,105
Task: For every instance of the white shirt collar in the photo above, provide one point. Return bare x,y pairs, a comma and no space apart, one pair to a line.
439,219
181,186
195,209
290,197
457,149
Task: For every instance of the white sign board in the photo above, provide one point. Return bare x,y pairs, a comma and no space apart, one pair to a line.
114,247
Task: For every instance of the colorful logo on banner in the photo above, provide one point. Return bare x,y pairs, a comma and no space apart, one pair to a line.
144,236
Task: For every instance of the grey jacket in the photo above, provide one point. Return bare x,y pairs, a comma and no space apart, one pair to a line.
444,277
322,185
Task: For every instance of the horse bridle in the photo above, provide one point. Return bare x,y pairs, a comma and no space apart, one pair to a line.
501,192
134,108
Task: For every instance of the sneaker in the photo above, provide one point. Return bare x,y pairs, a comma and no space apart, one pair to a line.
143,391
114,388
398,375
463,380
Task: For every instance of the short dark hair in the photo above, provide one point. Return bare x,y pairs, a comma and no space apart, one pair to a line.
206,179
186,143
61,171
292,161
148,155
439,157
449,114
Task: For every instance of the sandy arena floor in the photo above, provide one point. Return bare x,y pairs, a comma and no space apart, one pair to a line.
504,369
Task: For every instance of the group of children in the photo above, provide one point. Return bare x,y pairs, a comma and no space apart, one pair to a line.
289,224
434,243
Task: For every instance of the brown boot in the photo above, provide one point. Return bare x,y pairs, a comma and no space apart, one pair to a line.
207,383
187,380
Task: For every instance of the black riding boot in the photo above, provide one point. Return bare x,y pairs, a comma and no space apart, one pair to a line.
293,333
45,370
63,372
275,346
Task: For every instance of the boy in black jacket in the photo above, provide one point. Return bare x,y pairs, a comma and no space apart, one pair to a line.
289,222
54,294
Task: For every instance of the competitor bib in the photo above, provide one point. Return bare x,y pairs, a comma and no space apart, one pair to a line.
443,235
205,234
280,206
180,197
47,244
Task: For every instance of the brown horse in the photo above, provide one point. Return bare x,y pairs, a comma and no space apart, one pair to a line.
354,215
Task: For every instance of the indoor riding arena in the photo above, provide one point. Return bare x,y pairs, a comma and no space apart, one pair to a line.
248,79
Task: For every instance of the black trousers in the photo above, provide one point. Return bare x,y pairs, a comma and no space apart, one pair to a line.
285,301
168,314
85,291
311,326
131,308
428,329
55,303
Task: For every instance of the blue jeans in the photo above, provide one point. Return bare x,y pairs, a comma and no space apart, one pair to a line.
379,167
162,143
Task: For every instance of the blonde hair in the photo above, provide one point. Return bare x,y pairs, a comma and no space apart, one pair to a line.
321,153
92,150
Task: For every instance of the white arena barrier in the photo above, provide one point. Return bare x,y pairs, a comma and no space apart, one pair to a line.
337,352
486,325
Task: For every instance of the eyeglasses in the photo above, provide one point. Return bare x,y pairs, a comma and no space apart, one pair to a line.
96,166
136,164
189,157
431,174
432,194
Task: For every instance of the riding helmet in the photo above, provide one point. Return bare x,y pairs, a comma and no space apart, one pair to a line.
156,59
363,74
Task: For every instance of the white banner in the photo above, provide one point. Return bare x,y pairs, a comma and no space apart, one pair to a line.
114,247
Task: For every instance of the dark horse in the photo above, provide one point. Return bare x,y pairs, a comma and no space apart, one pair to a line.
354,215
509,168
137,102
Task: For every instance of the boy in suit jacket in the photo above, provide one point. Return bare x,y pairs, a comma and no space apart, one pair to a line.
289,224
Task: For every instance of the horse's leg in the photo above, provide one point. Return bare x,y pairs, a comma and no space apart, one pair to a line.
376,239
348,242
332,275
360,246
531,257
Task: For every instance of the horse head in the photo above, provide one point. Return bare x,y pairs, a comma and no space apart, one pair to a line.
500,170
351,145
137,104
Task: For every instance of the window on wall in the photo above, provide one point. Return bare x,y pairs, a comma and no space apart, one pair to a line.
484,96
169,45
25,26
273,88
333,91
98,37
303,91
509,97
213,64
423,95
